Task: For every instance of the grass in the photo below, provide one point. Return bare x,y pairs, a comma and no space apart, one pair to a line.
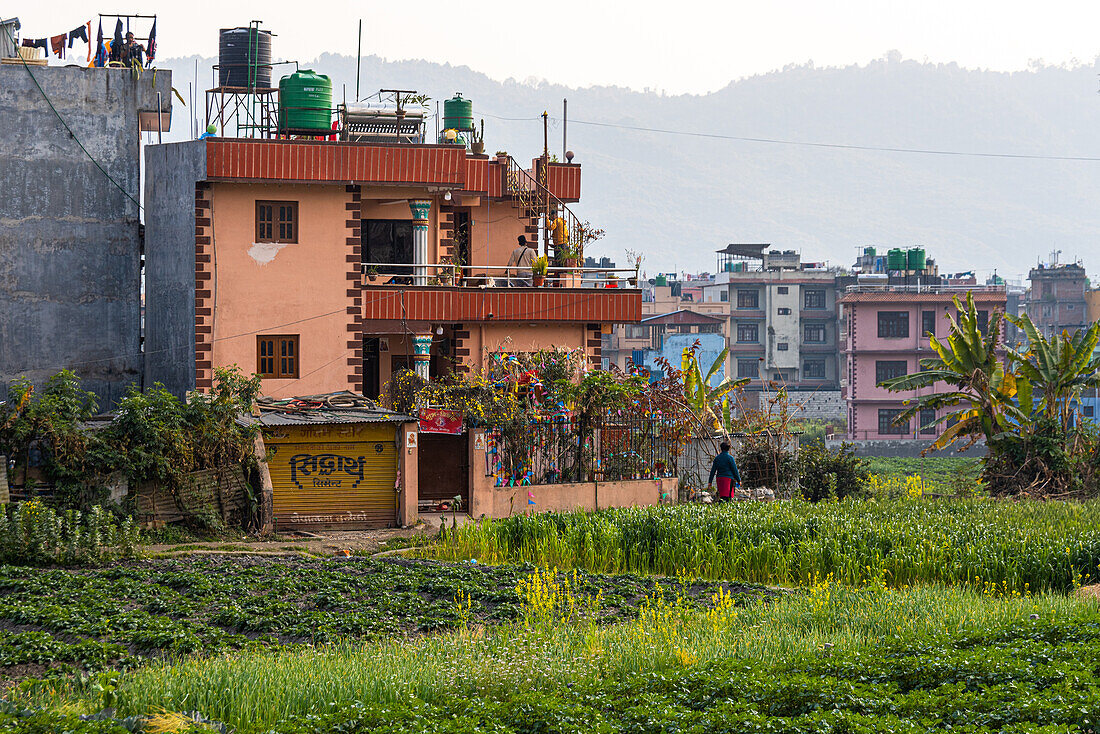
1022,547
557,655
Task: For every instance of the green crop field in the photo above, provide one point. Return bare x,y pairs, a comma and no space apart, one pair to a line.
1009,547
946,472
909,615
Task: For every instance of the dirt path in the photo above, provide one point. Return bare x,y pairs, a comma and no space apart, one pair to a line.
321,543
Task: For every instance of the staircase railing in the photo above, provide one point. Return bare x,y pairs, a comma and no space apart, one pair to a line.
534,195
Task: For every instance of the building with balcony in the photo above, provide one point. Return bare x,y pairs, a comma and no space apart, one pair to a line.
887,329
782,325
1057,299
328,265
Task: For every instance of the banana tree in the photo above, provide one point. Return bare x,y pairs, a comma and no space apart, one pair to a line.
980,389
703,399
1053,372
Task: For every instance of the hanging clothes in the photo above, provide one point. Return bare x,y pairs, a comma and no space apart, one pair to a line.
82,33
57,43
42,43
100,50
151,52
116,42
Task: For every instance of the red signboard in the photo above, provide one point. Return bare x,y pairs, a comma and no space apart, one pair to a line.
436,420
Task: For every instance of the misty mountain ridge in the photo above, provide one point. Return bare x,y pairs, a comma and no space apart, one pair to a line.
678,198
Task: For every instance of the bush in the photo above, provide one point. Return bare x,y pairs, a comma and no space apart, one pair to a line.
825,474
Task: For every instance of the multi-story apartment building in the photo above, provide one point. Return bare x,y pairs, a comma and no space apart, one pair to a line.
328,264
887,327
1056,301
782,324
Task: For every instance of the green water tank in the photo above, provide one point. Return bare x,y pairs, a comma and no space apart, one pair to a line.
660,280
458,113
915,258
869,251
305,101
895,259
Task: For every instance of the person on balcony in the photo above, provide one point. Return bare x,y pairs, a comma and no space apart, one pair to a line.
725,466
521,260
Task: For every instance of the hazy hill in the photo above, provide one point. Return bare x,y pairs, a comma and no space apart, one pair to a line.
678,198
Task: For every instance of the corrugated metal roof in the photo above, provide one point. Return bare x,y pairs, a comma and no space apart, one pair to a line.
328,417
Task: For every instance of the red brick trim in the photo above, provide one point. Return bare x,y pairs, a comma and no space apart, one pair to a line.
204,301
354,292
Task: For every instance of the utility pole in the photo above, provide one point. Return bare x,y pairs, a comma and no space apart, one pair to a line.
544,175
564,126
358,59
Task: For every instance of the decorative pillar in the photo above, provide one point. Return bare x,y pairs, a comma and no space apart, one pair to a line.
422,354
420,209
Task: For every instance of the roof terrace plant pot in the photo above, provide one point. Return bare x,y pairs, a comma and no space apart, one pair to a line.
538,280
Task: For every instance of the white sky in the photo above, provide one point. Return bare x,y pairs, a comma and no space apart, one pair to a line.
676,47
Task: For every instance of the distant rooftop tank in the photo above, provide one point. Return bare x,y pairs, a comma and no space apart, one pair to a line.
896,259
915,258
660,281
244,58
305,102
869,251
458,113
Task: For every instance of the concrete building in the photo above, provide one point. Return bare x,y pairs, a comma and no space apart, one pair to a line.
328,265
668,306
886,336
782,324
70,231
1056,301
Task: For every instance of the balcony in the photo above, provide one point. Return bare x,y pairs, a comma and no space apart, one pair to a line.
499,294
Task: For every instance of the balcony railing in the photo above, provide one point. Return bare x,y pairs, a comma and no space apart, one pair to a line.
496,276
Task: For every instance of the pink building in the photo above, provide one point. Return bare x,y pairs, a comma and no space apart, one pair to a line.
886,330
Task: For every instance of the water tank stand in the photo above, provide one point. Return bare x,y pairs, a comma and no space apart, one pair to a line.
245,112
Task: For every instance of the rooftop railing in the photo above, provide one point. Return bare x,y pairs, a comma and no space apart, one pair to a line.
496,276
922,288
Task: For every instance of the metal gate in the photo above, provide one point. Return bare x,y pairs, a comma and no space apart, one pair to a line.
444,469
335,483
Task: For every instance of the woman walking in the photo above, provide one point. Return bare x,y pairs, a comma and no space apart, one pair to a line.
725,467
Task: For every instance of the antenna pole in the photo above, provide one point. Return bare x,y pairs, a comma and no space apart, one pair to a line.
358,59
564,126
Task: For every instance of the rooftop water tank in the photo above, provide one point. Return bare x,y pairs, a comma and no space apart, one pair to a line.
660,281
244,58
915,258
895,259
305,102
869,251
458,113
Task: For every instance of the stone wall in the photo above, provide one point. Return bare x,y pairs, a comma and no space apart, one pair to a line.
819,405
70,248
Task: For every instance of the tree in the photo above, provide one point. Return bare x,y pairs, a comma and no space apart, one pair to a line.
706,401
1054,372
981,390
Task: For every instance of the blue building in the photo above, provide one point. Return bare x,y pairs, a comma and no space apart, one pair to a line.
670,334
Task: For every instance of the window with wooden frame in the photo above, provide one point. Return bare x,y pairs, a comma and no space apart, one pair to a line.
277,356
277,221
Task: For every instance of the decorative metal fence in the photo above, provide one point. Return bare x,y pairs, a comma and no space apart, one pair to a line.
561,451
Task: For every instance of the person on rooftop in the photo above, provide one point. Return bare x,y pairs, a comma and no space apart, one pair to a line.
132,51
521,260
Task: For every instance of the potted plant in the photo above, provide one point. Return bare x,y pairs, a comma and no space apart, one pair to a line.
634,258
539,267
612,281
372,273
569,256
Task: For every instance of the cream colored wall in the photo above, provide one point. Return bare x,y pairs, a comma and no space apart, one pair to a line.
298,288
496,225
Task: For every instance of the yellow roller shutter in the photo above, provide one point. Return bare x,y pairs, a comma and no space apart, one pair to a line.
335,483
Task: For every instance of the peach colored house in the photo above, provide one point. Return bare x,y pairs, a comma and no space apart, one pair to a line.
322,265
887,335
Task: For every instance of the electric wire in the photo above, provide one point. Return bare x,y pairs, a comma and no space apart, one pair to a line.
809,143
